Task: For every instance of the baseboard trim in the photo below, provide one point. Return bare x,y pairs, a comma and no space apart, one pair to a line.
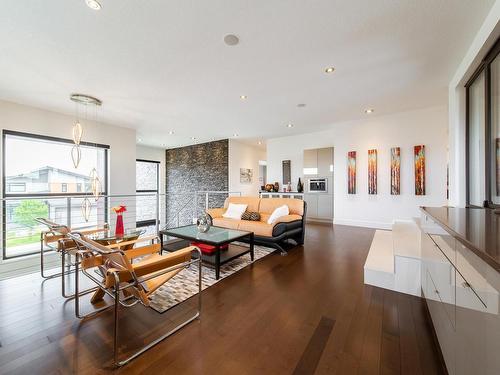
362,223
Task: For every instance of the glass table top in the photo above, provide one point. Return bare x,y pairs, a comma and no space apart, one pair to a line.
110,236
215,235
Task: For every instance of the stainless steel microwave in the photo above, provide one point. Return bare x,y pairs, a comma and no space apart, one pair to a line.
318,185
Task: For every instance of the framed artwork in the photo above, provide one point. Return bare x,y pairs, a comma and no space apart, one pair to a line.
372,172
246,175
395,171
351,172
419,154
287,172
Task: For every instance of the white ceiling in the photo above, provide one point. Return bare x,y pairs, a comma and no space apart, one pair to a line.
162,65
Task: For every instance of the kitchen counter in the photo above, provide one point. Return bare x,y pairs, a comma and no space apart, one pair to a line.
476,228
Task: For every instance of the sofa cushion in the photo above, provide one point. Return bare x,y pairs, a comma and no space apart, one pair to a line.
226,223
259,228
268,205
251,202
235,211
252,216
277,213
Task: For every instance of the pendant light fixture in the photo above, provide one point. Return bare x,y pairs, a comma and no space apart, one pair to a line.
77,130
76,152
77,133
95,184
86,209
76,155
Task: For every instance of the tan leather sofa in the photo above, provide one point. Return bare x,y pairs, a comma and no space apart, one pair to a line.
287,227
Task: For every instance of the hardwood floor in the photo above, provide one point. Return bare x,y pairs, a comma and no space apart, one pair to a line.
306,313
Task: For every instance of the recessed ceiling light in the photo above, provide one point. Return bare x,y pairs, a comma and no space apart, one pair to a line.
290,125
369,110
235,135
139,139
171,132
93,4
330,69
243,97
231,40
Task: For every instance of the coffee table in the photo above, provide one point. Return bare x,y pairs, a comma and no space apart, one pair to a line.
217,237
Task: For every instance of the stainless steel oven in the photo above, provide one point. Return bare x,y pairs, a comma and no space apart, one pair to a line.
318,185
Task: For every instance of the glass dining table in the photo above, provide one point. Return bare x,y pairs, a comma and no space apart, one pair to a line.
109,237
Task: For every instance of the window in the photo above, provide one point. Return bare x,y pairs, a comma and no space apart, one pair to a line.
483,132
147,188
16,188
37,171
476,142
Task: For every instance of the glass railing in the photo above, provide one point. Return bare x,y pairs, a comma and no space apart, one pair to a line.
20,235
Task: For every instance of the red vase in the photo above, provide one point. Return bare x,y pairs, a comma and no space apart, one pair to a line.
119,231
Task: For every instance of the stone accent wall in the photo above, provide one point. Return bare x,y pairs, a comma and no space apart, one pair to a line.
191,169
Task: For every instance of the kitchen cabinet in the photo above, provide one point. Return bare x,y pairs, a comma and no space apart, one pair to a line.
310,162
325,161
471,330
462,291
325,207
318,163
312,206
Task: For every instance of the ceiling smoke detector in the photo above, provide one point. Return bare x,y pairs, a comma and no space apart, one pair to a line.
231,40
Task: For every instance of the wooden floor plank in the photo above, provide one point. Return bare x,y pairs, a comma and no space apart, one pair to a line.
390,356
370,358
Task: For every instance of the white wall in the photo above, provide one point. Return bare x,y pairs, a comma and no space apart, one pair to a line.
154,154
122,141
483,41
426,126
242,155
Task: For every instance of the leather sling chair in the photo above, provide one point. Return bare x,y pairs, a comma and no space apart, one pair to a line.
130,283
55,239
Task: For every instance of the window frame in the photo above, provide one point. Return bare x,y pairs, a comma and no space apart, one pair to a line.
484,66
6,194
149,222
5,133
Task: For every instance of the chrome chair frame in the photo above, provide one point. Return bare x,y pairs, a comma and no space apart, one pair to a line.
60,230
86,249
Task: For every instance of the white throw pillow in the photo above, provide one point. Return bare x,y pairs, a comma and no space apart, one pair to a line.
235,211
277,213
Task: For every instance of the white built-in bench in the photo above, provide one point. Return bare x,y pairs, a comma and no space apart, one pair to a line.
393,261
